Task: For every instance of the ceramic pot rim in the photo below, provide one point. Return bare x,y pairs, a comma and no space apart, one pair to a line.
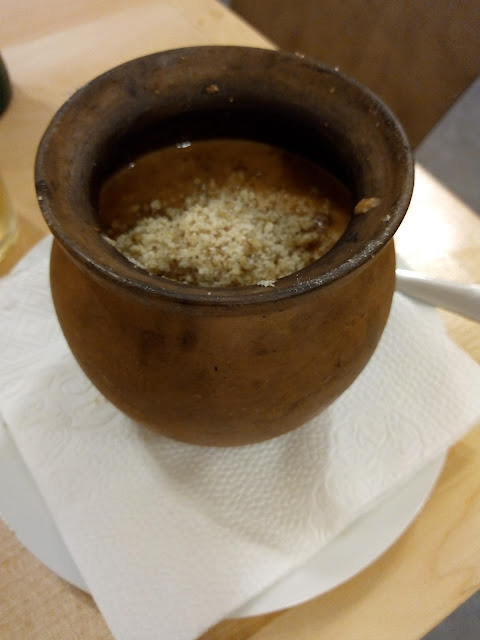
64,214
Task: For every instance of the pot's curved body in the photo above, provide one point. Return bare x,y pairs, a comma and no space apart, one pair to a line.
227,379
224,366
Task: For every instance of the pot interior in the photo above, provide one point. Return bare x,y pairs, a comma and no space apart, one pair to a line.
223,92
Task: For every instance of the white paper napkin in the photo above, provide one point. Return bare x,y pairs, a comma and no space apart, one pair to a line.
170,537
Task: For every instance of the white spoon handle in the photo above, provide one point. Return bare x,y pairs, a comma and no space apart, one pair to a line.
460,298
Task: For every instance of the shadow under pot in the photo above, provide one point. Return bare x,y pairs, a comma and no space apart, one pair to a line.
222,365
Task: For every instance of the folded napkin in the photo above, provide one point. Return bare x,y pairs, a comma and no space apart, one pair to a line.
172,537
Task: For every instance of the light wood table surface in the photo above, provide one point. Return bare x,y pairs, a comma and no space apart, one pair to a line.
53,47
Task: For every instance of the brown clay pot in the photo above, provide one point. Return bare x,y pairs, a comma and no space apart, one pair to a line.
225,366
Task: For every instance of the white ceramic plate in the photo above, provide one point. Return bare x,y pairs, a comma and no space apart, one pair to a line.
23,508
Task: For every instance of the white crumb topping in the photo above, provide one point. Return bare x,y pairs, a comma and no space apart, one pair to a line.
231,235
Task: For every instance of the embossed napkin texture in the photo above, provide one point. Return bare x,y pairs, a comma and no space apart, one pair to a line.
170,537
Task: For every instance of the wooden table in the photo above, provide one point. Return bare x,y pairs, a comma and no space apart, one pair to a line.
52,48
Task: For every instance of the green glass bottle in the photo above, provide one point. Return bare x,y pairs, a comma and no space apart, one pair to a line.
5,87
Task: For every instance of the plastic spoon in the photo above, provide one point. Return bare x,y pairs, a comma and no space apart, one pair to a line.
460,298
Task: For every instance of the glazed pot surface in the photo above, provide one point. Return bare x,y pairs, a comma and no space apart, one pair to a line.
223,379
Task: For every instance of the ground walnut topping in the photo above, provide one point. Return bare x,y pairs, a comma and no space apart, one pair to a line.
365,205
230,235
